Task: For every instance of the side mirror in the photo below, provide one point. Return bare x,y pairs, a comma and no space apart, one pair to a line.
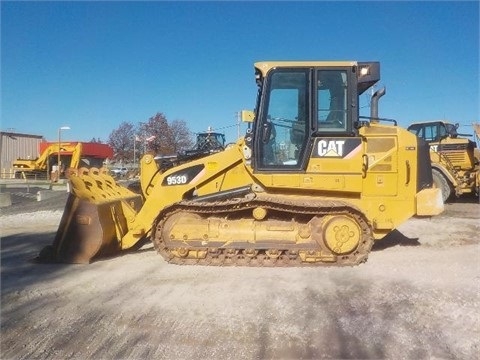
248,116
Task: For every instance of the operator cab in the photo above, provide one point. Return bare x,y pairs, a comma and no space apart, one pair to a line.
434,131
210,141
299,102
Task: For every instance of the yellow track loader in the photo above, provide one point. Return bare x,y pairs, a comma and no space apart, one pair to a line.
311,183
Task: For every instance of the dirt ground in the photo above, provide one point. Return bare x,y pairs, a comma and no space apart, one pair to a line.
416,297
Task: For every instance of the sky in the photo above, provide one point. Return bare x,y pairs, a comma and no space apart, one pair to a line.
93,65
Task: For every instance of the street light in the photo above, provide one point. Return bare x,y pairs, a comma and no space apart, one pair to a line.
59,162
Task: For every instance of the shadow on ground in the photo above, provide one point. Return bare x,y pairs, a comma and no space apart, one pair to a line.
393,239
19,269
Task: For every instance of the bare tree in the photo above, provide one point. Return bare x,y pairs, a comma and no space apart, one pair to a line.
155,136
163,138
121,141
182,137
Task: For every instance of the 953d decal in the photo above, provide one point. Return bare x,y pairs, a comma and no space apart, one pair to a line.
182,177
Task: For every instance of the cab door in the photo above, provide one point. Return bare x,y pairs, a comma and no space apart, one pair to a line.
283,130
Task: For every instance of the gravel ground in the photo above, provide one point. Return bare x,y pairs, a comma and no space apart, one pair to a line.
417,297
24,201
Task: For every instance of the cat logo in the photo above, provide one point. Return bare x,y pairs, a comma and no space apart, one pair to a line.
336,148
330,148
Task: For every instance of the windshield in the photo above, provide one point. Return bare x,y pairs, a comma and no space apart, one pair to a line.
435,131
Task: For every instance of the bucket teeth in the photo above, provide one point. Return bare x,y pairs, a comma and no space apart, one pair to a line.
94,220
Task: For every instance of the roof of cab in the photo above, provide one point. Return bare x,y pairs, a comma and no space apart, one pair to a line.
265,66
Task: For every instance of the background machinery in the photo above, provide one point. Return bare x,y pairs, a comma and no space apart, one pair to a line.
311,183
73,154
206,143
41,166
455,164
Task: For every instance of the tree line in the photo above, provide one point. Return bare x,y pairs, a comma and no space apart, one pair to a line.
156,136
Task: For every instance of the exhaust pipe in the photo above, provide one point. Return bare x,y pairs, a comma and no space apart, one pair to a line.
374,104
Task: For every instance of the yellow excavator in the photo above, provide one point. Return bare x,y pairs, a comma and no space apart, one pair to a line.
24,168
311,183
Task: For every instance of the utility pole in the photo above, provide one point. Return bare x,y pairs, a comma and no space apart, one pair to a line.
59,161
238,125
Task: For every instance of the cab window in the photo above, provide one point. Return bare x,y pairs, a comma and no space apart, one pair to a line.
332,100
284,123
429,132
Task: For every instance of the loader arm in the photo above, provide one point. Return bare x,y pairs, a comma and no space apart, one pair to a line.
211,174
102,217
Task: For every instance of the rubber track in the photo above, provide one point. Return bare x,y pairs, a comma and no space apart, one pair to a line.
277,203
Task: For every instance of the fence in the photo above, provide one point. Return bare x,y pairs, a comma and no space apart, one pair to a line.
11,174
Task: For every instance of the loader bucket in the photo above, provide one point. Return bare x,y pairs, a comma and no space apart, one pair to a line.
94,220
